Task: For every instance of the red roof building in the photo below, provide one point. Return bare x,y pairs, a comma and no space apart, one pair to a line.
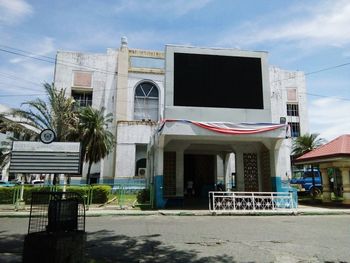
335,154
337,149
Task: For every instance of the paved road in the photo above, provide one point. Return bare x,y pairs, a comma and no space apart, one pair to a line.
203,238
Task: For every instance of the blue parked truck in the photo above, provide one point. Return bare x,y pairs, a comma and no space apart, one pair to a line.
302,180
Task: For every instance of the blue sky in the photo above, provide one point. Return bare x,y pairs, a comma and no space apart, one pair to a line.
299,35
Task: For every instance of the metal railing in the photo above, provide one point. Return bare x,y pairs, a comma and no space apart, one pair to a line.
16,197
251,202
127,194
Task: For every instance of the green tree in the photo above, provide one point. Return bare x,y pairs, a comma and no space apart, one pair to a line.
5,152
57,113
304,144
97,140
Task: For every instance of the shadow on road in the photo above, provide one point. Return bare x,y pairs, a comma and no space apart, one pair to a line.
11,247
104,246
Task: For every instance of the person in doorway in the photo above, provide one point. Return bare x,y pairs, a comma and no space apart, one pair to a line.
189,188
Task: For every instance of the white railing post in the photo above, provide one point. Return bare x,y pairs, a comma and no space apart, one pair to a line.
253,201
234,201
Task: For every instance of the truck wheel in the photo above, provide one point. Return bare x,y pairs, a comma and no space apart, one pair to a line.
314,192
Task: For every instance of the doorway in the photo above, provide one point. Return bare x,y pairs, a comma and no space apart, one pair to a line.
200,170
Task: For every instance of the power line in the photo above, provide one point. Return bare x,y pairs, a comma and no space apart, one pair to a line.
14,77
66,63
23,95
328,68
28,52
324,96
13,85
53,60
63,62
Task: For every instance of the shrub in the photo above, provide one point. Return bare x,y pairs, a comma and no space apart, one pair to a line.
82,190
100,193
143,196
6,195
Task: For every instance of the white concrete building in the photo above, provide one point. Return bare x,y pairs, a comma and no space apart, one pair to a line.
140,87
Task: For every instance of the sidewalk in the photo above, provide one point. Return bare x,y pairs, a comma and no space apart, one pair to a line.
94,210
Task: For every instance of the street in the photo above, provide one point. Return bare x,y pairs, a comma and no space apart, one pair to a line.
202,238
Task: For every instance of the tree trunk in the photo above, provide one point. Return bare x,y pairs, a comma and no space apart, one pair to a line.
54,179
88,173
68,179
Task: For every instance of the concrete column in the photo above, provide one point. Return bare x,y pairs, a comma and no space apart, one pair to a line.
276,167
158,178
346,184
180,173
239,171
158,161
122,82
226,172
326,196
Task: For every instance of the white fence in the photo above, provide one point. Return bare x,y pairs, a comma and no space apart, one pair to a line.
252,202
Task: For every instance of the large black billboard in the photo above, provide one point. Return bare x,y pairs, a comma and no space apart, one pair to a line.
217,81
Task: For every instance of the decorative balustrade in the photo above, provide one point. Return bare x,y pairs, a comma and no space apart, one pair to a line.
251,202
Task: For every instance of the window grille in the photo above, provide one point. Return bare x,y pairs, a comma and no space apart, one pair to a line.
295,129
293,110
146,102
82,98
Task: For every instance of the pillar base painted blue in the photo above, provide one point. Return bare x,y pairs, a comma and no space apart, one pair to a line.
279,186
158,192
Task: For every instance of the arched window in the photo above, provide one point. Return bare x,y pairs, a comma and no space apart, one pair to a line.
146,102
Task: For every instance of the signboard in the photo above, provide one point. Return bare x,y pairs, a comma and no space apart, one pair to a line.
37,157
47,136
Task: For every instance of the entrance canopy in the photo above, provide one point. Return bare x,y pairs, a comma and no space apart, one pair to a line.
243,156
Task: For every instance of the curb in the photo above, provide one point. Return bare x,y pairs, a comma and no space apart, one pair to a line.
89,213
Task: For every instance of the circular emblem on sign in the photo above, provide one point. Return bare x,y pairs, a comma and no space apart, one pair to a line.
47,136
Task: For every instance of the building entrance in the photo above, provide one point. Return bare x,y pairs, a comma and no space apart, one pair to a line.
199,176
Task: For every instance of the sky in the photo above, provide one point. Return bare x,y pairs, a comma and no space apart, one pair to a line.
311,36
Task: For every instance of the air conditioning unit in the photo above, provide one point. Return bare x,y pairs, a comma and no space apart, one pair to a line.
141,172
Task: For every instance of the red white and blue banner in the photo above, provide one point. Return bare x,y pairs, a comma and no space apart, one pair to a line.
231,128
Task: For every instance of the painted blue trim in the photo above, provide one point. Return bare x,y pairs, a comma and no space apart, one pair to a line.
280,186
158,192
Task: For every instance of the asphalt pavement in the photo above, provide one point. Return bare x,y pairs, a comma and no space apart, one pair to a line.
199,239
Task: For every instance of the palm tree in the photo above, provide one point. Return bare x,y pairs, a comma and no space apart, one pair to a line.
97,140
5,152
56,113
304,144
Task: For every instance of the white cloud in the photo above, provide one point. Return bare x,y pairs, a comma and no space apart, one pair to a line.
330,117
156,7
13,11
325,24
40,47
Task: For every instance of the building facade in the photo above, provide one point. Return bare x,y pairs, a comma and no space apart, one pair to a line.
139,88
